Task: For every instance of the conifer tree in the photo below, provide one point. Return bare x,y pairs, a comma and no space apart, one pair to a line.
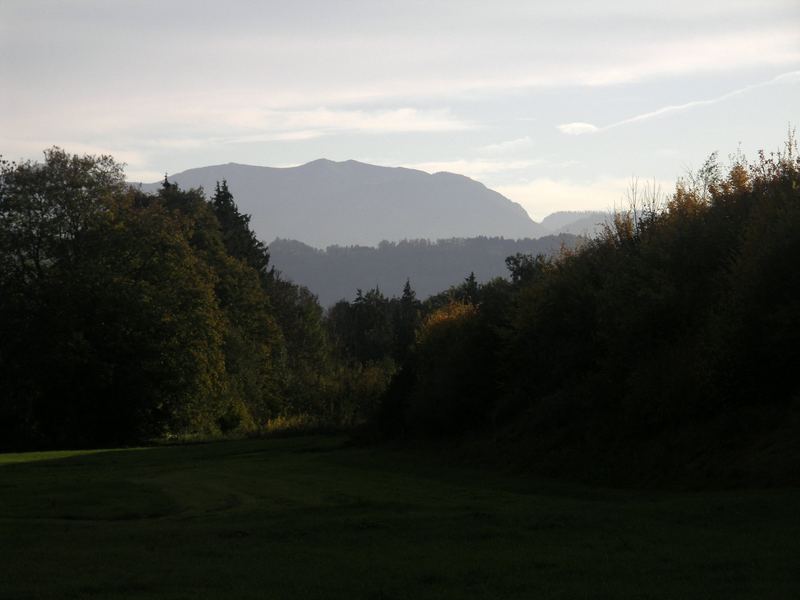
240,241
407,320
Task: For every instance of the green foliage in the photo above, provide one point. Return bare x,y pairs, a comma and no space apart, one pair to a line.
406,319
364,328
447,397
105,296
239,239
307,354
254,345
150,315
371,335
525,269
668,338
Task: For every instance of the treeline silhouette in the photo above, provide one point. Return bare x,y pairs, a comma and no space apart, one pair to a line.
127,316
334,273
667,347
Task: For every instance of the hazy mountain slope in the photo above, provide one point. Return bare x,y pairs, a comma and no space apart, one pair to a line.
432,267
587,223
324,202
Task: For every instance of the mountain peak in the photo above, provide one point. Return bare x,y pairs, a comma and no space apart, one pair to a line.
326,202
319,162
342,164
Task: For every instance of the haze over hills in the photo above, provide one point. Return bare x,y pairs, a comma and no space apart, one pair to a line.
586,223
431,267
324,203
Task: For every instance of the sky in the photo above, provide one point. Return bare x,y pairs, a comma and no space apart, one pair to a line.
557,105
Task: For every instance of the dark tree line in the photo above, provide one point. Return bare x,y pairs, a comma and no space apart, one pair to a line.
667,345
126,316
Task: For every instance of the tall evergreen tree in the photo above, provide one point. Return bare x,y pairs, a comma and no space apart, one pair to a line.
240,241
407,319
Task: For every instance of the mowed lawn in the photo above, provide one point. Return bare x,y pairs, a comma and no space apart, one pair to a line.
313,518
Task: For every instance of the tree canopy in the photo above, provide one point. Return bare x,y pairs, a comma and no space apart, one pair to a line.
125,316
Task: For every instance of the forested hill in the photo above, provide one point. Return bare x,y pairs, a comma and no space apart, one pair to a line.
338,271
325,202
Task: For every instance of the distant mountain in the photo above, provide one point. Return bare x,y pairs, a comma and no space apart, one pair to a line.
432,267
323,203
586,223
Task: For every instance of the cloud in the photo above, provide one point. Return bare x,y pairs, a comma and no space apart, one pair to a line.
244,81
288,136
286,124
791,77
401,120
508,147
205,141
198,126
577,128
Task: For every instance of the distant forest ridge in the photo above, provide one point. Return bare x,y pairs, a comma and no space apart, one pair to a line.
337,272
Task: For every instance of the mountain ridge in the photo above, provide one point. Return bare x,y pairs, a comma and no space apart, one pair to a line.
588,223
325,202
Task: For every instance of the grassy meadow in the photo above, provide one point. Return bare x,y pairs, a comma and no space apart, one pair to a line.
313,517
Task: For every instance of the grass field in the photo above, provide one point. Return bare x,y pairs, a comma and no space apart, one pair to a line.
313,518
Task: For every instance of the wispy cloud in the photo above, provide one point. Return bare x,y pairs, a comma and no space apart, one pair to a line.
579,128
191,143
509,146
401,120
260,125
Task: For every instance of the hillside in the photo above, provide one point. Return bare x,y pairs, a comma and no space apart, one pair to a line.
324,202
337,272
586,223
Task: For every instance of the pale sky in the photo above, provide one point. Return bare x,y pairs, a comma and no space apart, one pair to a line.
557,105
